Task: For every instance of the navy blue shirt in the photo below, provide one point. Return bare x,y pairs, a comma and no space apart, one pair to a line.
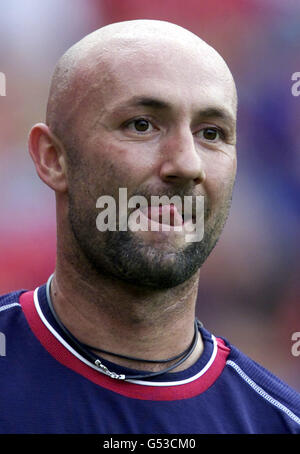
47,387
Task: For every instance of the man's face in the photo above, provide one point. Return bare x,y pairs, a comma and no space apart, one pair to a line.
156,121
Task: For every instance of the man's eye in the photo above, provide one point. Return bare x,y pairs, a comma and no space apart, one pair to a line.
140,125
210,134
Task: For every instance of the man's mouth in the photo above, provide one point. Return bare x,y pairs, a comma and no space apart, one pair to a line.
165,214
170,220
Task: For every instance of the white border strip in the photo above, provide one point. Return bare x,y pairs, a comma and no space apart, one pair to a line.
8,306
61,340
139,382
187,380
263,393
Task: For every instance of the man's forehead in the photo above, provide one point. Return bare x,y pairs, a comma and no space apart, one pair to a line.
151,51
122,58
142,40
159,82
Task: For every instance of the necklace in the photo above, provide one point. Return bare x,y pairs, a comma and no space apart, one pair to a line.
87,352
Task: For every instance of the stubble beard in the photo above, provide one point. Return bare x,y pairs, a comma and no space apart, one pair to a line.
125,256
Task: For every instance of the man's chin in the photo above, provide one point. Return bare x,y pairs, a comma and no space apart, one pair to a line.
154,266
163,240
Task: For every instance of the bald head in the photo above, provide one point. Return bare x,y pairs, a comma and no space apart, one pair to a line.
150,107
91,64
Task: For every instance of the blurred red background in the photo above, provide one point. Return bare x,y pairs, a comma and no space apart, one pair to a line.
250,287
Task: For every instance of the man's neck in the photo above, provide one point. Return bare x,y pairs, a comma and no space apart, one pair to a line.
121,318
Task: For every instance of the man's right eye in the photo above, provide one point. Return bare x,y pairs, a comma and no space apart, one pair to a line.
140,125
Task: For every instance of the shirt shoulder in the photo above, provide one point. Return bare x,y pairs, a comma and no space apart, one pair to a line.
263,388
10,300
10,310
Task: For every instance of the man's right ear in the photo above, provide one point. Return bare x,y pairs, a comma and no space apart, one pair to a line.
48,156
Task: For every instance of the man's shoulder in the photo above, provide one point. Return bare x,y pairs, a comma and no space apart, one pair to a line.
10,298
263,386
9,301
249,369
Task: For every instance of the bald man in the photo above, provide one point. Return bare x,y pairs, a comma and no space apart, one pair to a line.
110,344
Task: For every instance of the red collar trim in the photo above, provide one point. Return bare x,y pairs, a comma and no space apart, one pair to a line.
136,391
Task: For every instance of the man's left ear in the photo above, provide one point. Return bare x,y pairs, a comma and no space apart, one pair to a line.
48,155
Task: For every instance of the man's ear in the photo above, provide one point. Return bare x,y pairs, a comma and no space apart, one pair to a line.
48,156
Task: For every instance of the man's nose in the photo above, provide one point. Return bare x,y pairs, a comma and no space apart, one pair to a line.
182,161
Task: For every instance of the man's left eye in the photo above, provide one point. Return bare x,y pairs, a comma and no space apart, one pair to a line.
210,134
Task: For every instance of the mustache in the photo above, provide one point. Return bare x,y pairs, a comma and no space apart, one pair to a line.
182,199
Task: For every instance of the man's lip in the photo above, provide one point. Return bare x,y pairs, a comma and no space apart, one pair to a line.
164,214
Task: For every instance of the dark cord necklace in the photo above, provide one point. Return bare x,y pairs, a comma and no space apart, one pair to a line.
87,350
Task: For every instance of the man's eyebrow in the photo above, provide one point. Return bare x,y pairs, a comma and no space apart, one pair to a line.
156,103
146,101
216,112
